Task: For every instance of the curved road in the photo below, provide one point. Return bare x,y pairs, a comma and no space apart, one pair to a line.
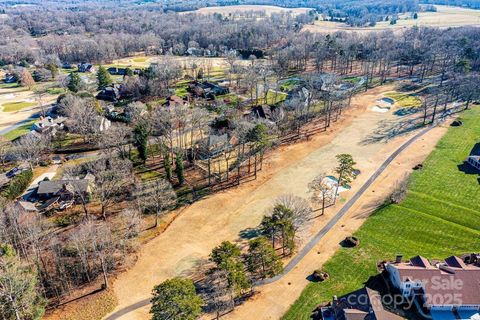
301,254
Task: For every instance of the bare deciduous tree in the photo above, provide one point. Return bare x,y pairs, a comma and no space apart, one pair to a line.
155,196
322,191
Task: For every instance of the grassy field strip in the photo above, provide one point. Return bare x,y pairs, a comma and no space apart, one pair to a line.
17,106
20,131
438,218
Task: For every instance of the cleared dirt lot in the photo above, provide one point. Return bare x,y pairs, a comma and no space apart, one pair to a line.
444,17
223,216
246,8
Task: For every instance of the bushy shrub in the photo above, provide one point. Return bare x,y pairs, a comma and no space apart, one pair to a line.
18,185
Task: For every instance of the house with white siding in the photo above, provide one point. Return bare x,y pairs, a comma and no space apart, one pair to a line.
448,289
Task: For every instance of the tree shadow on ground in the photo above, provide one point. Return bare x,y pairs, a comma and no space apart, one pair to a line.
389,129
406,111
249,233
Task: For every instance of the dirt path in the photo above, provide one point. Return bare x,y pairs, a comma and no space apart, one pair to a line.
223,216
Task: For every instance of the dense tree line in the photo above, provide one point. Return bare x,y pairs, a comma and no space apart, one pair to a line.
103,35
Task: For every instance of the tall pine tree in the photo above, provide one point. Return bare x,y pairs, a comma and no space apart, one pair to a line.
74,83
103,78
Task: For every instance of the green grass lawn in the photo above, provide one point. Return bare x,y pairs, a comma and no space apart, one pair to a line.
404,100
272,98
56,90
16,106
9,85
439,217
20,131
140,59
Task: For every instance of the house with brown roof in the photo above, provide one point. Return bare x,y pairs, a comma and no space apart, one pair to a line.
449,289
363,304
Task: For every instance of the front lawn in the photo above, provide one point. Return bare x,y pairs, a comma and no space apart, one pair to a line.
20,131
438,218
9,85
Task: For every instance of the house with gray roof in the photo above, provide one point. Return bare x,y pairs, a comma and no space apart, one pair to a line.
49,124
64,189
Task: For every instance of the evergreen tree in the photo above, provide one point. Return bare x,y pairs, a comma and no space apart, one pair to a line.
179,168
345,170
129,72
140,141
53,68
175,299
280,225
262,259
227,257
103,78
168,165
74,83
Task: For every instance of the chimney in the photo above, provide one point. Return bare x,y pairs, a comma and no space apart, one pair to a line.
398,259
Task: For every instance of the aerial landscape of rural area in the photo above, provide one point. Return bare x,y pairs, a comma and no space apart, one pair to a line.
240,159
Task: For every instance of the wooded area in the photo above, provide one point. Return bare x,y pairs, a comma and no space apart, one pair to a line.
177,134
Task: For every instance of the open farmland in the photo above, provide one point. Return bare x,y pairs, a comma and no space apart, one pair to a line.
228,10
438,218
444,17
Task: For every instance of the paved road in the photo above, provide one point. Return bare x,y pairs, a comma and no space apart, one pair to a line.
317,237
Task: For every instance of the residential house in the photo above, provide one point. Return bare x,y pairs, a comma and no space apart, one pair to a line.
262,111
218,143
175,101
448,289
474,161
194,52
207,90
49,124
86,67
110,94
64,190
363,304
114,71
10,78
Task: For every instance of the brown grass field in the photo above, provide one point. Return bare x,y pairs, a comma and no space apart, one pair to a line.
444,17
247,8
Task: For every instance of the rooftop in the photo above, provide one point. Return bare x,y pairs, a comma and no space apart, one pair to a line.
52,187
464,279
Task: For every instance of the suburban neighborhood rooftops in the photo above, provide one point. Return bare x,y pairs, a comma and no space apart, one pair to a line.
52,187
